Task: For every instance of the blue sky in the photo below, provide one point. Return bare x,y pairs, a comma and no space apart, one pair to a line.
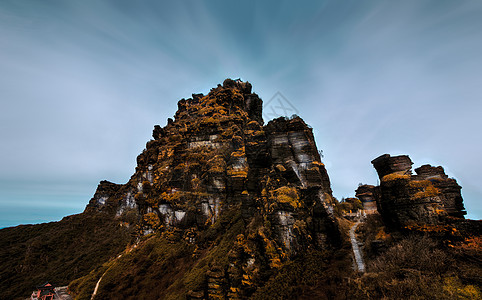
82,83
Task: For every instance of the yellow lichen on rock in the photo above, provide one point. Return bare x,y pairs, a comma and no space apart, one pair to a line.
288,195
395,176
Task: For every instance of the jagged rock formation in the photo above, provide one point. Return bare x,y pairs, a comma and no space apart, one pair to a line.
448,187
386,164
216,156
407,200
367,195
221,206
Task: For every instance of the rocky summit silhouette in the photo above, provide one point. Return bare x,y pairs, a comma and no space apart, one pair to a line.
223,206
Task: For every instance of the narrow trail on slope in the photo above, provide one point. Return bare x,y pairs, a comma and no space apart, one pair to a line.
356,250
97,286
100,279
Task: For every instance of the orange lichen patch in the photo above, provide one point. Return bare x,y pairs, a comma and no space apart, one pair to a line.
280,168
315,169
271,250
429,191
239,153
208,121
287,195
440,211
247,280
395,176
237,173
454,288
255,133
207,110
420,183
469,243
241,242
229,132
382,235
173,196
253,124
152,220
216,164
222,111
275,261
217,115
432,228
317,163
152,202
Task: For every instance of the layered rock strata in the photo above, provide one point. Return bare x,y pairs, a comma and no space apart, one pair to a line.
216,156
450,191
405,199
367,195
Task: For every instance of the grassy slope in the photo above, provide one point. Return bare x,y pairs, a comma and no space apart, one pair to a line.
57,252
162,269
417,266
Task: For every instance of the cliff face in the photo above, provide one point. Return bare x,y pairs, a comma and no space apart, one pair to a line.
216,157
367,195
448,187
222,206
405,199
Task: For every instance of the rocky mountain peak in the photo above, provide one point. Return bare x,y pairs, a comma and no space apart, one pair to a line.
215,157
223,206
216,154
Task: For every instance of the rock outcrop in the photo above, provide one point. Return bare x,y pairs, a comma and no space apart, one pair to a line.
223,206
367,195
216,156
405,199
386,164
448,187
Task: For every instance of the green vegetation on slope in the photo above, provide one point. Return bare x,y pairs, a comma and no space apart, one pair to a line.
162,267
416,265
57,252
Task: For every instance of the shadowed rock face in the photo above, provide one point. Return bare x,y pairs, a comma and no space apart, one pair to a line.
448,187
386,164
367,195
216,156
405,199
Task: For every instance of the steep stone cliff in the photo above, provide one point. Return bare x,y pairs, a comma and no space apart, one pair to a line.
215,157
367,195
405,199
448,187
222,206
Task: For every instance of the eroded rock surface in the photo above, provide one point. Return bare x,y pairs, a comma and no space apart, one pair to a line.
367,195
450,191
216,155
405,199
